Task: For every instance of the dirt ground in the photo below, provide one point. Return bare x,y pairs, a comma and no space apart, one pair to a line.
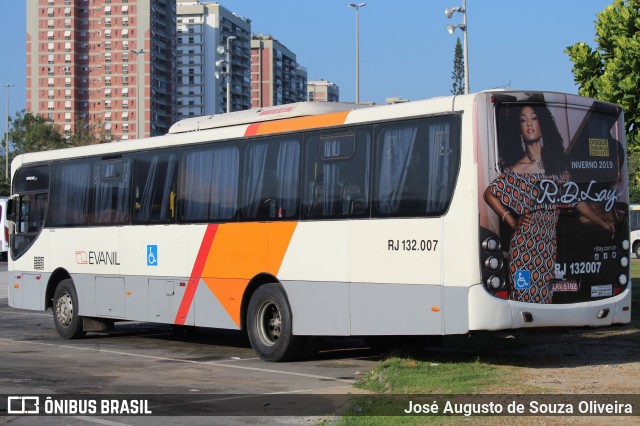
583,361
565,362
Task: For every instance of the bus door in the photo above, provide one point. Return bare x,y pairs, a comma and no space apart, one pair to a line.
26,212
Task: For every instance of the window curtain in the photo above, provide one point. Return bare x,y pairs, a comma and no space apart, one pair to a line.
72,194
224,183
197,184
254,178
397,147
288,166
438,190
211,184
41,201
111,194
168,185
367,168
152,186
331,171
144,214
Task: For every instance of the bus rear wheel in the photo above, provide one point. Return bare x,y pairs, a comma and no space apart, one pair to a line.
269,325
65,311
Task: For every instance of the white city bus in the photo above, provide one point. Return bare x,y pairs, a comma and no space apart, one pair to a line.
327,219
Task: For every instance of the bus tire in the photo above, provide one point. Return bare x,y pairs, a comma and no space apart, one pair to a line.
65,311
269,325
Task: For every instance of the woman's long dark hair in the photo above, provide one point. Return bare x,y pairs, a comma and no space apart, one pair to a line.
511,150
553,156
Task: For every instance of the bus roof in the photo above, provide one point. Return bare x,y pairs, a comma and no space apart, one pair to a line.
255,115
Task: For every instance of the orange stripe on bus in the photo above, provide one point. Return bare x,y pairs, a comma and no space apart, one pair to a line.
240,252
298,123
196,273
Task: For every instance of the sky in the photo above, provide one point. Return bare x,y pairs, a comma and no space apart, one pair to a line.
405,49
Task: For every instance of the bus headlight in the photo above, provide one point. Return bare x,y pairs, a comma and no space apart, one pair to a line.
624,261
490,244
494,282
625,245
492,263
622,279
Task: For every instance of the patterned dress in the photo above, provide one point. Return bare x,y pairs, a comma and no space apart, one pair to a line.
533,246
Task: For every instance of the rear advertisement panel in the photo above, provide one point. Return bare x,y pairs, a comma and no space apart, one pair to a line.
558,190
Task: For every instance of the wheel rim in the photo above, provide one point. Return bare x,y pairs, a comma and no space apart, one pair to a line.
64,309
268,323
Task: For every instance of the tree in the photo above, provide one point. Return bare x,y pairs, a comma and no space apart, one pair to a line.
610,72
33,133
458,70
90,133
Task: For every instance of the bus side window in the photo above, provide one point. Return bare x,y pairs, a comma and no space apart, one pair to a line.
416,166
71,194
112,193
208,184
154,188
337,174
271,180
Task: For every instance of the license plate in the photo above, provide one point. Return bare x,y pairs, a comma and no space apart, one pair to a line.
565,285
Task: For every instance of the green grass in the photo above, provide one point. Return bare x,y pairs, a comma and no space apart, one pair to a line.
635,291
635,269
403,376
408,376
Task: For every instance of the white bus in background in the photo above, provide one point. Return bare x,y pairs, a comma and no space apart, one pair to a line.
634,228
327,219
4,230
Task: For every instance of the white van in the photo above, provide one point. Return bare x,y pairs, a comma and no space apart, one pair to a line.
4,230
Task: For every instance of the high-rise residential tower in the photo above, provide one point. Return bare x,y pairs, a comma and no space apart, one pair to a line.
108,61
276,76
202,27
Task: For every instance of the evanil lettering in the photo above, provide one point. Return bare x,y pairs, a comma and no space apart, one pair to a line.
103,258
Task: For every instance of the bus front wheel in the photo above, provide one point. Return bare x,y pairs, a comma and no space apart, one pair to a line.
269,325
65,311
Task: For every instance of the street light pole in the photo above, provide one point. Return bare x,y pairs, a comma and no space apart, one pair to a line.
357,8
466,47
6,139
139,89
463,27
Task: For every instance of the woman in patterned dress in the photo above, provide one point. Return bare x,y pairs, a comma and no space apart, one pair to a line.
515,197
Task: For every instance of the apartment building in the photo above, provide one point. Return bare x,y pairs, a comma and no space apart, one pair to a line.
322,91
276,76
106,61
202,27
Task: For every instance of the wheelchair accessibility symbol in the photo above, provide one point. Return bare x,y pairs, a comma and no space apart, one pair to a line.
523,279
152,255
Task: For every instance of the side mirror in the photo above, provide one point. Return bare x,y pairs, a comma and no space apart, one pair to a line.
10,214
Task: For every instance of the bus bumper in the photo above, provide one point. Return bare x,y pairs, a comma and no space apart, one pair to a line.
487,312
